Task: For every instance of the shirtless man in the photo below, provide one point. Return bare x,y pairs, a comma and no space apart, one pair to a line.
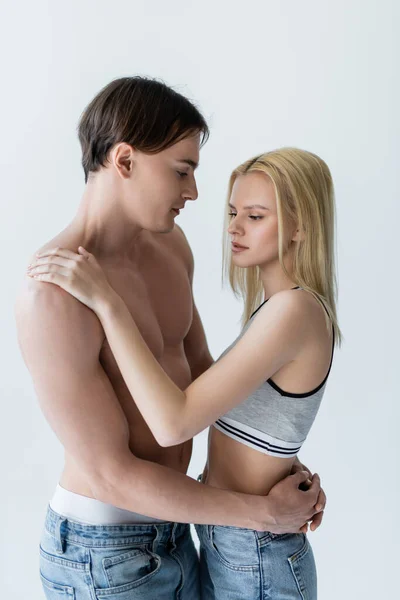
117,526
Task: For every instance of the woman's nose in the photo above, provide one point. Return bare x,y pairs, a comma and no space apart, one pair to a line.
234,226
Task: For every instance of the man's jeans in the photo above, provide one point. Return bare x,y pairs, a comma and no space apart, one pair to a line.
117,562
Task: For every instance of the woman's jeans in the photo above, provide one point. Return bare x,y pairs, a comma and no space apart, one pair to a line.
243,564
117,562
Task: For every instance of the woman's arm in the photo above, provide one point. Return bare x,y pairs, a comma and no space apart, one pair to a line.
273,340
174,415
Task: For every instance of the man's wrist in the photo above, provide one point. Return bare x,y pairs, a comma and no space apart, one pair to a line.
260,513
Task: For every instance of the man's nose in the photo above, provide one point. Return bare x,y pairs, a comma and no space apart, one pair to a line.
191,192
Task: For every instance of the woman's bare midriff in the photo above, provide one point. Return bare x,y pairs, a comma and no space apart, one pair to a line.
234,466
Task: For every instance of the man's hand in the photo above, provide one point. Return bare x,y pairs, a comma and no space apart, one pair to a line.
290,507
316,520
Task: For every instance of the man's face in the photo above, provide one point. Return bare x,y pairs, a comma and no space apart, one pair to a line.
161,184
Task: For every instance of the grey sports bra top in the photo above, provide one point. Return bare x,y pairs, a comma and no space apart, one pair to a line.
271,420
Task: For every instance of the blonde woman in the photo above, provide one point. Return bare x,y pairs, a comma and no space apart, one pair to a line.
263,393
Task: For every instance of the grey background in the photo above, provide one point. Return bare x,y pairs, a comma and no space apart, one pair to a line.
319,75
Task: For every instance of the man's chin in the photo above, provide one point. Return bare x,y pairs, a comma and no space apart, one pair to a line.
165,228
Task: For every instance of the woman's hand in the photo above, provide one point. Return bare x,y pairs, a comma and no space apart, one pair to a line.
79,274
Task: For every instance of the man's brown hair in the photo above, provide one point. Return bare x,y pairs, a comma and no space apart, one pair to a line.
143,112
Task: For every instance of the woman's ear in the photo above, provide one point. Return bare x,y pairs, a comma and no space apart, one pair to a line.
122,157
298,235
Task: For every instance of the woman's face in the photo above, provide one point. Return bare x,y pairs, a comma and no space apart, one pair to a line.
254,221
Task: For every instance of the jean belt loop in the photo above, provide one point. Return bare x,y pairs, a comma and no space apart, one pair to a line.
209,532
173,534
59,540
156,540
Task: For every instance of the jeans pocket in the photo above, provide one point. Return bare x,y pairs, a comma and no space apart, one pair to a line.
235,547
304,571
125,571
56,591
61,576
134,566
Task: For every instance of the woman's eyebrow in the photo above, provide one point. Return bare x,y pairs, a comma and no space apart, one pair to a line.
251,206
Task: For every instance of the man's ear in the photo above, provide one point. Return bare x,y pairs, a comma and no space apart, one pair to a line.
122,157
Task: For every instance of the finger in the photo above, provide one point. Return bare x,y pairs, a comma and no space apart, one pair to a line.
59,252
321,502
84,252
54,259
54,278
297,466
306,469
87,255
304,529
316,520
43,269
315,486
300,477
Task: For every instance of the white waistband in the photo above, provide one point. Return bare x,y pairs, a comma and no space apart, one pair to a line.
93,512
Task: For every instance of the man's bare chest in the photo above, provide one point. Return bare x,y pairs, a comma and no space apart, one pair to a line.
158,295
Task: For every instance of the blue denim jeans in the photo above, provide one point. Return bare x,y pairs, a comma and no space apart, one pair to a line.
238,564
117,562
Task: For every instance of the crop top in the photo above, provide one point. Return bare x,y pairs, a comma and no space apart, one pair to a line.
270,420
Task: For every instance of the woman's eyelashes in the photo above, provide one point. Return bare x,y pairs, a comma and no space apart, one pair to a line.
253,217
182,173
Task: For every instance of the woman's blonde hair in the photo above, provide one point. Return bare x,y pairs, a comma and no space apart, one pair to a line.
304,195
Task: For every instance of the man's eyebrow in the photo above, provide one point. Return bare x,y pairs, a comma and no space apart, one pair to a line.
189,162
252,206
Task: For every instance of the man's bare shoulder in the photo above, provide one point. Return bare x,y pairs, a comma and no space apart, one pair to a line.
51,303
64,239
44,311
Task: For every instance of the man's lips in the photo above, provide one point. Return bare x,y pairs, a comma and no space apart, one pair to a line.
177,209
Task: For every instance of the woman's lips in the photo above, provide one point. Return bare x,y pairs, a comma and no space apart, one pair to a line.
237,248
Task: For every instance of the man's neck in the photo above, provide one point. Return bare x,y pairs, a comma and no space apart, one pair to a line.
102,226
